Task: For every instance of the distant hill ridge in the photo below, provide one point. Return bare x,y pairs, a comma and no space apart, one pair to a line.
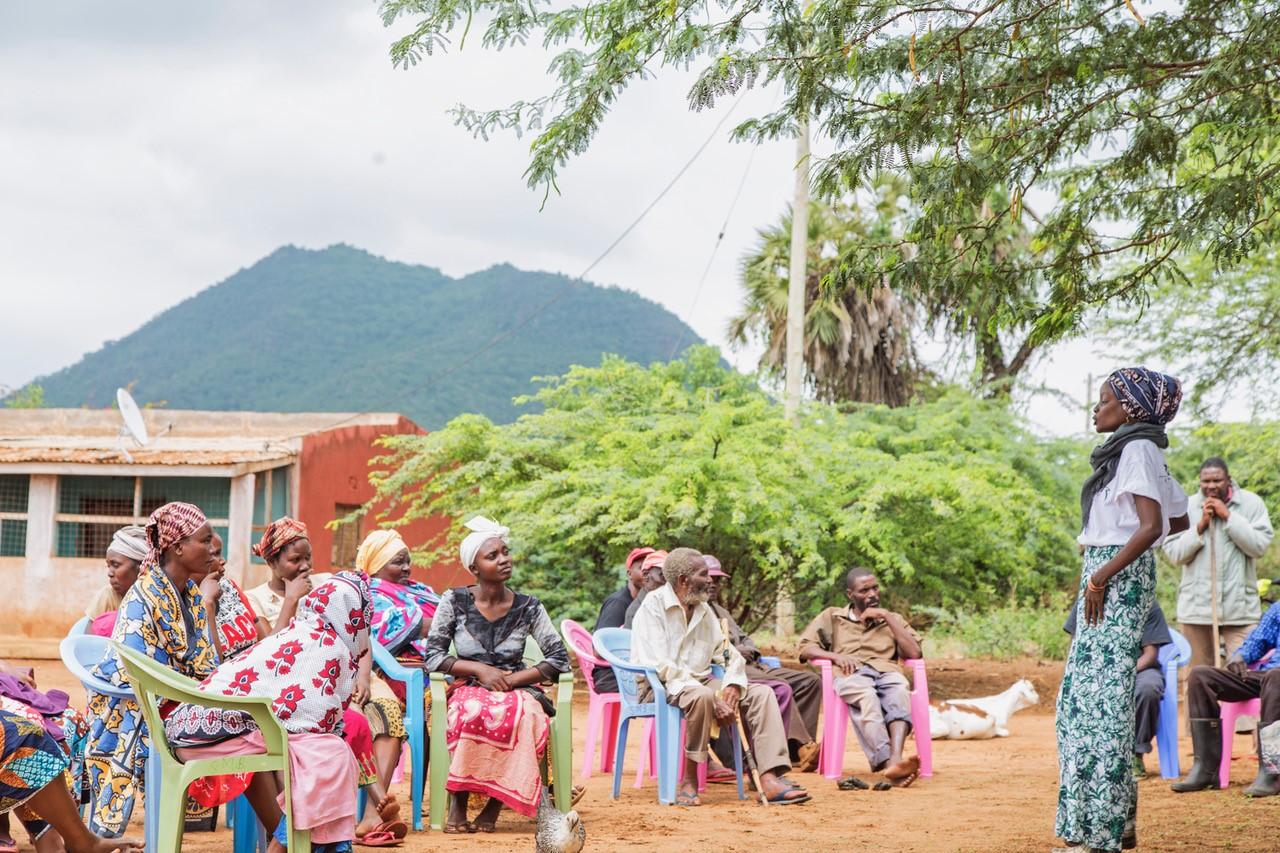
339,329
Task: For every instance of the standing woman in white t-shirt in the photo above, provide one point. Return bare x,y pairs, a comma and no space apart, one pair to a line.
1129,504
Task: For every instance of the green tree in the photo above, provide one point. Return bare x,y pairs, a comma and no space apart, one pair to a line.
1149,138
951,501
26,397
858,345
1220,328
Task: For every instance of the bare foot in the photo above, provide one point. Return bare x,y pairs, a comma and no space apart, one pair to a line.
904,772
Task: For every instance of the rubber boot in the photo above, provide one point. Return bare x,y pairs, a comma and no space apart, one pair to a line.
1267,784
1206,738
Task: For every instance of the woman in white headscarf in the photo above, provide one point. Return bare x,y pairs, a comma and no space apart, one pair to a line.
499,718
124,559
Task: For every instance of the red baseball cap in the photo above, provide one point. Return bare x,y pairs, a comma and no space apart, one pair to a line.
713,565
655,558
637,553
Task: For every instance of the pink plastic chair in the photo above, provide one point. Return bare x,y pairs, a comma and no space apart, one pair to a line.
1228,713
835,712
602,708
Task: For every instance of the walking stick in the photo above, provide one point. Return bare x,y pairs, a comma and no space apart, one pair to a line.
737,720
1213,588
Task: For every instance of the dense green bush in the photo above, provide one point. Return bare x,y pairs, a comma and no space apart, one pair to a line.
1002,632
952,501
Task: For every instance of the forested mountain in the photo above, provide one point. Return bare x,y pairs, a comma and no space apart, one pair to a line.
343,330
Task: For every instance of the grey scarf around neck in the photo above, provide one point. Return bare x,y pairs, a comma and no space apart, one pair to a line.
1106,457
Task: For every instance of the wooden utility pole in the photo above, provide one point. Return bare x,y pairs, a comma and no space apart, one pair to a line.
785,612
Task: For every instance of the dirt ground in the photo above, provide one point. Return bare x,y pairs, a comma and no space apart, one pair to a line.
995,796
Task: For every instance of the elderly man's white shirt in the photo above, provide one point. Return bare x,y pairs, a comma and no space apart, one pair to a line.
681,649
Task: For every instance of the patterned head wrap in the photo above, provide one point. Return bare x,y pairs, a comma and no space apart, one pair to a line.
278,534
130,542
170,524
1146,396
378,549
482,530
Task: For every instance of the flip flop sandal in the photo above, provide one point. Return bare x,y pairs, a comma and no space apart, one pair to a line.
882,786
377,838
464,828
486,827
722,776
396,828
684,798
576,793
8,846
781,798
852,783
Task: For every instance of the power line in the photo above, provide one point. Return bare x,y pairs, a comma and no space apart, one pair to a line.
556,297
724,226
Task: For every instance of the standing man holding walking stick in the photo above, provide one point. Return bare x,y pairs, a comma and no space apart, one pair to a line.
1218,596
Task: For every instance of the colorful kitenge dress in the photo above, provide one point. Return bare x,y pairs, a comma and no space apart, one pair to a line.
497,739
29,760
1095,709
167,625
398,613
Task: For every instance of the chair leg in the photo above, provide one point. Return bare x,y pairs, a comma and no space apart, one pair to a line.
1228,716
595,722
608,735
833,741
562,761
737,762
648,744
621,751
924,737
417,779
670,750
170,815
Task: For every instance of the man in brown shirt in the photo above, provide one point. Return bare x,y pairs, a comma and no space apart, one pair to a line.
864,643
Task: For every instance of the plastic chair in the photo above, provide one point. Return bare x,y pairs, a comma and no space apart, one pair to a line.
835,712
1228,713
602,708
1172,656
614,645
413,679
560,746
153,681
770,662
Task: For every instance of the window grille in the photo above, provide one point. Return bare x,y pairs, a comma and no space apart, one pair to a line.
270,501
91,509
14,489
346,538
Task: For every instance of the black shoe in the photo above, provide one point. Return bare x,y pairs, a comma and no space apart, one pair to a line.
1206,737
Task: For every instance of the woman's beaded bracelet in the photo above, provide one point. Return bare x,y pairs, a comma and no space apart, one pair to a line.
1093,587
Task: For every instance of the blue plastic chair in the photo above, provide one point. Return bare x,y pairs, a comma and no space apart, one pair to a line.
614,645
80,651
1172,656
414,723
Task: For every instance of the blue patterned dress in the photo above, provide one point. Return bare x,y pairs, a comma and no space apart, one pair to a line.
29,760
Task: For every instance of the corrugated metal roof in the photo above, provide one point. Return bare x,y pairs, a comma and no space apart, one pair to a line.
140,456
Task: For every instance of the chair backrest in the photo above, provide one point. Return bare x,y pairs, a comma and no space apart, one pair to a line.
79,652
579,640
614,645
1178,652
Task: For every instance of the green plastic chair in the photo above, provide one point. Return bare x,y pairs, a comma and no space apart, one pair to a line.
152,682
560,746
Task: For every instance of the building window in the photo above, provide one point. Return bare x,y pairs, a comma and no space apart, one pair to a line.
91,509
270,501
13,514
346,537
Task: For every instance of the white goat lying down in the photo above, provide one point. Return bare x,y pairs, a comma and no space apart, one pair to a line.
981,718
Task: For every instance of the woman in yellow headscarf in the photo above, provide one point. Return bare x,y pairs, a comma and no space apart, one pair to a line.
402,612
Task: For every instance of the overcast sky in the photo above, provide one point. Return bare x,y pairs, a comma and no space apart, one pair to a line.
151,149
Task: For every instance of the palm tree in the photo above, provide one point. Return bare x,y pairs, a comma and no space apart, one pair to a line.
857,341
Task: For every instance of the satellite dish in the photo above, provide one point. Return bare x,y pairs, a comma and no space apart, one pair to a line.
134,425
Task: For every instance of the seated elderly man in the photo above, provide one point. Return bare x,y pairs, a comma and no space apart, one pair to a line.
676,633
1236,682
864,642
799,692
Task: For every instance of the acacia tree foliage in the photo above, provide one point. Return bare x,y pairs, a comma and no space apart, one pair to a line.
950,501
857,341
1151,137
1220,328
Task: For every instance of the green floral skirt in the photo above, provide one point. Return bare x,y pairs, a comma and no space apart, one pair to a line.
1095,709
